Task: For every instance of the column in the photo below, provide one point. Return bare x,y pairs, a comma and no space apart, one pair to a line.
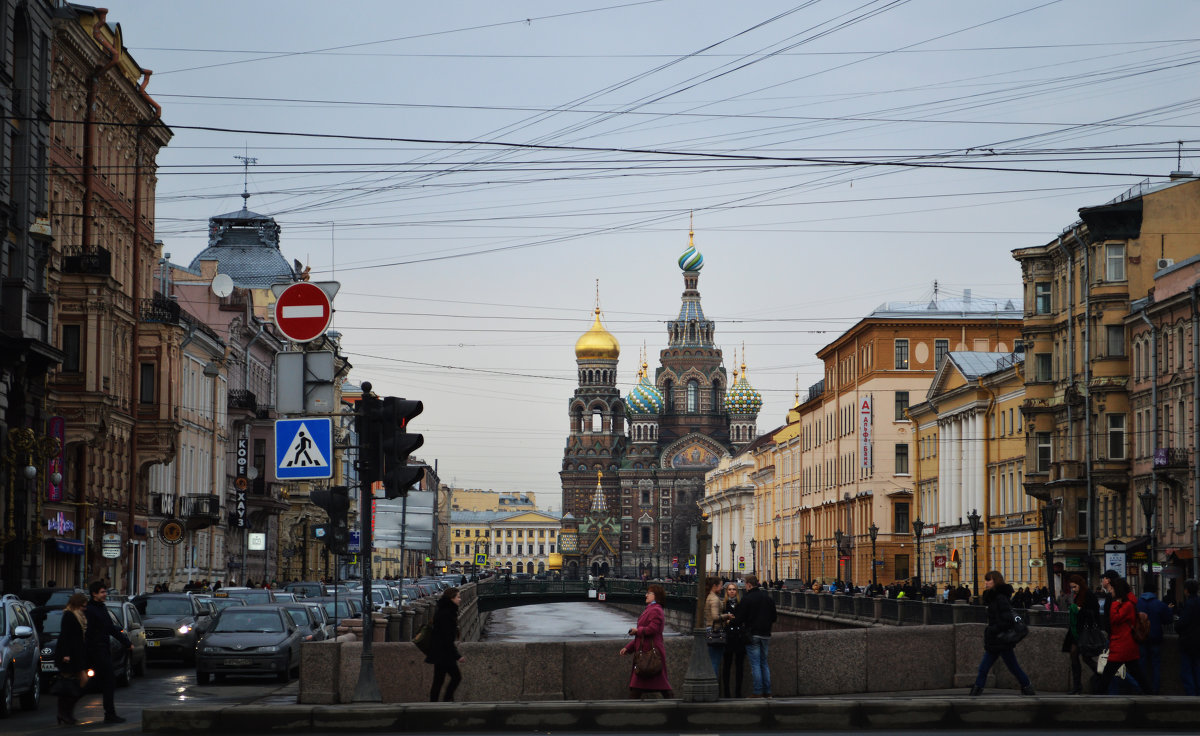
980,466
943,469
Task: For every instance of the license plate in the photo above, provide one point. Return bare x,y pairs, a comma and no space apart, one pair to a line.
238,662
152,643
49,667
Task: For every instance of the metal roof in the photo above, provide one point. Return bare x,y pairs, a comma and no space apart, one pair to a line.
975,365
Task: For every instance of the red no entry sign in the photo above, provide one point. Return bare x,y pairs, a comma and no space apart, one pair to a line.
302,312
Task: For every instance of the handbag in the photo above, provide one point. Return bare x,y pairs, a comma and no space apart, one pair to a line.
646,662
1016,631
715,637
424,639
1092,642
69,685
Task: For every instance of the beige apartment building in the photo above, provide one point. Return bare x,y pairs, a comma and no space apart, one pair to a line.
845,460
1079,291
733,492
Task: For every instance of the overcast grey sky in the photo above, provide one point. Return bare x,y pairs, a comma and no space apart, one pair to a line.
468,269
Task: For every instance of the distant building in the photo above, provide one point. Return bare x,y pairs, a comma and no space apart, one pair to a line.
474,499
515,542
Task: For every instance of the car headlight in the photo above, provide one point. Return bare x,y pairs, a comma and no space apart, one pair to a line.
184,629
269,650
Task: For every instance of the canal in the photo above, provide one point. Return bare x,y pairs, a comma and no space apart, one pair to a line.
558,622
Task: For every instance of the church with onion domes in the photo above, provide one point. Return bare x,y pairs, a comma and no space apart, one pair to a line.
634,465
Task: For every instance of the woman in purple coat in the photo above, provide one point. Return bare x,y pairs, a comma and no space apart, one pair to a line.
649,633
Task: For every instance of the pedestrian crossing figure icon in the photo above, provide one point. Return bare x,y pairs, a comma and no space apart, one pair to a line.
302,448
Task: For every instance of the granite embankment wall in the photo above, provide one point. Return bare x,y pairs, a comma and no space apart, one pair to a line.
868,659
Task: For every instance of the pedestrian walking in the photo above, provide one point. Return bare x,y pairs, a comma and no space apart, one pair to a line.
755,615
1151,649
714,619
997,596
1085,637
1122,649
1188,628
99,657
70,656
734,660
443,653
648,635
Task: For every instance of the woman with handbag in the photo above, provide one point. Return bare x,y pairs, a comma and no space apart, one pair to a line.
1085,638
996,645
649,653
735,646
1122,649
715,622
443,653
70,654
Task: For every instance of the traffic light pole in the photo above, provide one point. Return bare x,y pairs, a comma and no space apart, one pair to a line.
367,689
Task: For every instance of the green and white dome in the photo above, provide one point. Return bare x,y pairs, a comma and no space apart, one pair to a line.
741,397
645,398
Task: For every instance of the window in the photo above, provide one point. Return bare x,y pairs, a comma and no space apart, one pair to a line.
900,518
1081,517
1116,436
902,355
1044,452
902,459
71,348
941,348
1041,297
146,383
693,397
597,421
901,563
901,405
1116,340
645,535
1114,262
1042,367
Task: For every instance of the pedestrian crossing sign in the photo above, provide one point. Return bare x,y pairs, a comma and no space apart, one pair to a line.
481,559
303,448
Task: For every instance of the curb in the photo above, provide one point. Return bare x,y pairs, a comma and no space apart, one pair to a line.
798,714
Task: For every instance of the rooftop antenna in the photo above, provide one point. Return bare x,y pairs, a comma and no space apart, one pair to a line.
246,161
1179,158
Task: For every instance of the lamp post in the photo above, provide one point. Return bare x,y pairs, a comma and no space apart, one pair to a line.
918,527
973,520
754,553
775,557
700,682
838,536
1049,515
874,532
717,557
808,540
733,559
1148,501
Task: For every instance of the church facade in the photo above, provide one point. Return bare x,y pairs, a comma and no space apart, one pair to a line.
634,465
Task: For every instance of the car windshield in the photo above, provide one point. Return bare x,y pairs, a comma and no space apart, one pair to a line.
51,626
221,604
164,607
299,617
342,610
263,622
59,598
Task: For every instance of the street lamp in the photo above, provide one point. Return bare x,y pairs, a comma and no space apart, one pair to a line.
838,536
973,520
918,527
874,532
775,557
733,558
808,540
754,552
1148,498
1049,515
717,557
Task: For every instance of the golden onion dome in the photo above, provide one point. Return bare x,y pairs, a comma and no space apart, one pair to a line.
597,343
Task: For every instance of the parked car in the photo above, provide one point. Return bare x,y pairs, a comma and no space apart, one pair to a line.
250,640
174,623
123,664
340,609
130,622
283,596
220,602
19,656
306,589
311,628
252,596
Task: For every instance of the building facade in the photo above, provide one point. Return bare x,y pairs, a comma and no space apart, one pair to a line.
514,542
474,499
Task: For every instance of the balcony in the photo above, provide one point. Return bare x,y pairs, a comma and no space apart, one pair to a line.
200,511
95,261
162,504
1170,457
162,310
243,404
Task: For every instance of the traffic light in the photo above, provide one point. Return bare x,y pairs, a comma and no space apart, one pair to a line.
336,502
397,444
368,424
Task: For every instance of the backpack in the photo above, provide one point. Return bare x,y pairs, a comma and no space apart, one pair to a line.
1141,627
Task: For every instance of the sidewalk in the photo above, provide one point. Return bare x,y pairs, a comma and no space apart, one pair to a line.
933,710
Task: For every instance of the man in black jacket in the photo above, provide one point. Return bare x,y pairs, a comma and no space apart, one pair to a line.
755,615
99,628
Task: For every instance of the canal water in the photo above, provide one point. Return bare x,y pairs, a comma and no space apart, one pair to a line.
558,622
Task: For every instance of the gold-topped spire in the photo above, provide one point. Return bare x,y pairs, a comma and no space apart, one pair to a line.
735,370
743,357
797,391
691,229
597,342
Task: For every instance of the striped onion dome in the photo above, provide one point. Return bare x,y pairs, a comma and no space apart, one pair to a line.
691,260
645,398
741,397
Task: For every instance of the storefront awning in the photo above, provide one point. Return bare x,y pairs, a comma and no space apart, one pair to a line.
69,546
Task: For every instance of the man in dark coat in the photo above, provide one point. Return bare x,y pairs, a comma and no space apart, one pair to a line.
755,615
99,628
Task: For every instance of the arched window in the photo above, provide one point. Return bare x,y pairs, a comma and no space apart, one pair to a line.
668,396
597,421
693,397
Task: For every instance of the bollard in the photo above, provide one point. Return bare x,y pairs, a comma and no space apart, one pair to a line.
878,601
393,625
406,624
927,612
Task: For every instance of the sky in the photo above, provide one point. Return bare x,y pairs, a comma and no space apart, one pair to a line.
472,173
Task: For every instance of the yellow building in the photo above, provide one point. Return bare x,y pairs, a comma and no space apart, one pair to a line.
970,450
474,499
520,542
844,462
734,491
